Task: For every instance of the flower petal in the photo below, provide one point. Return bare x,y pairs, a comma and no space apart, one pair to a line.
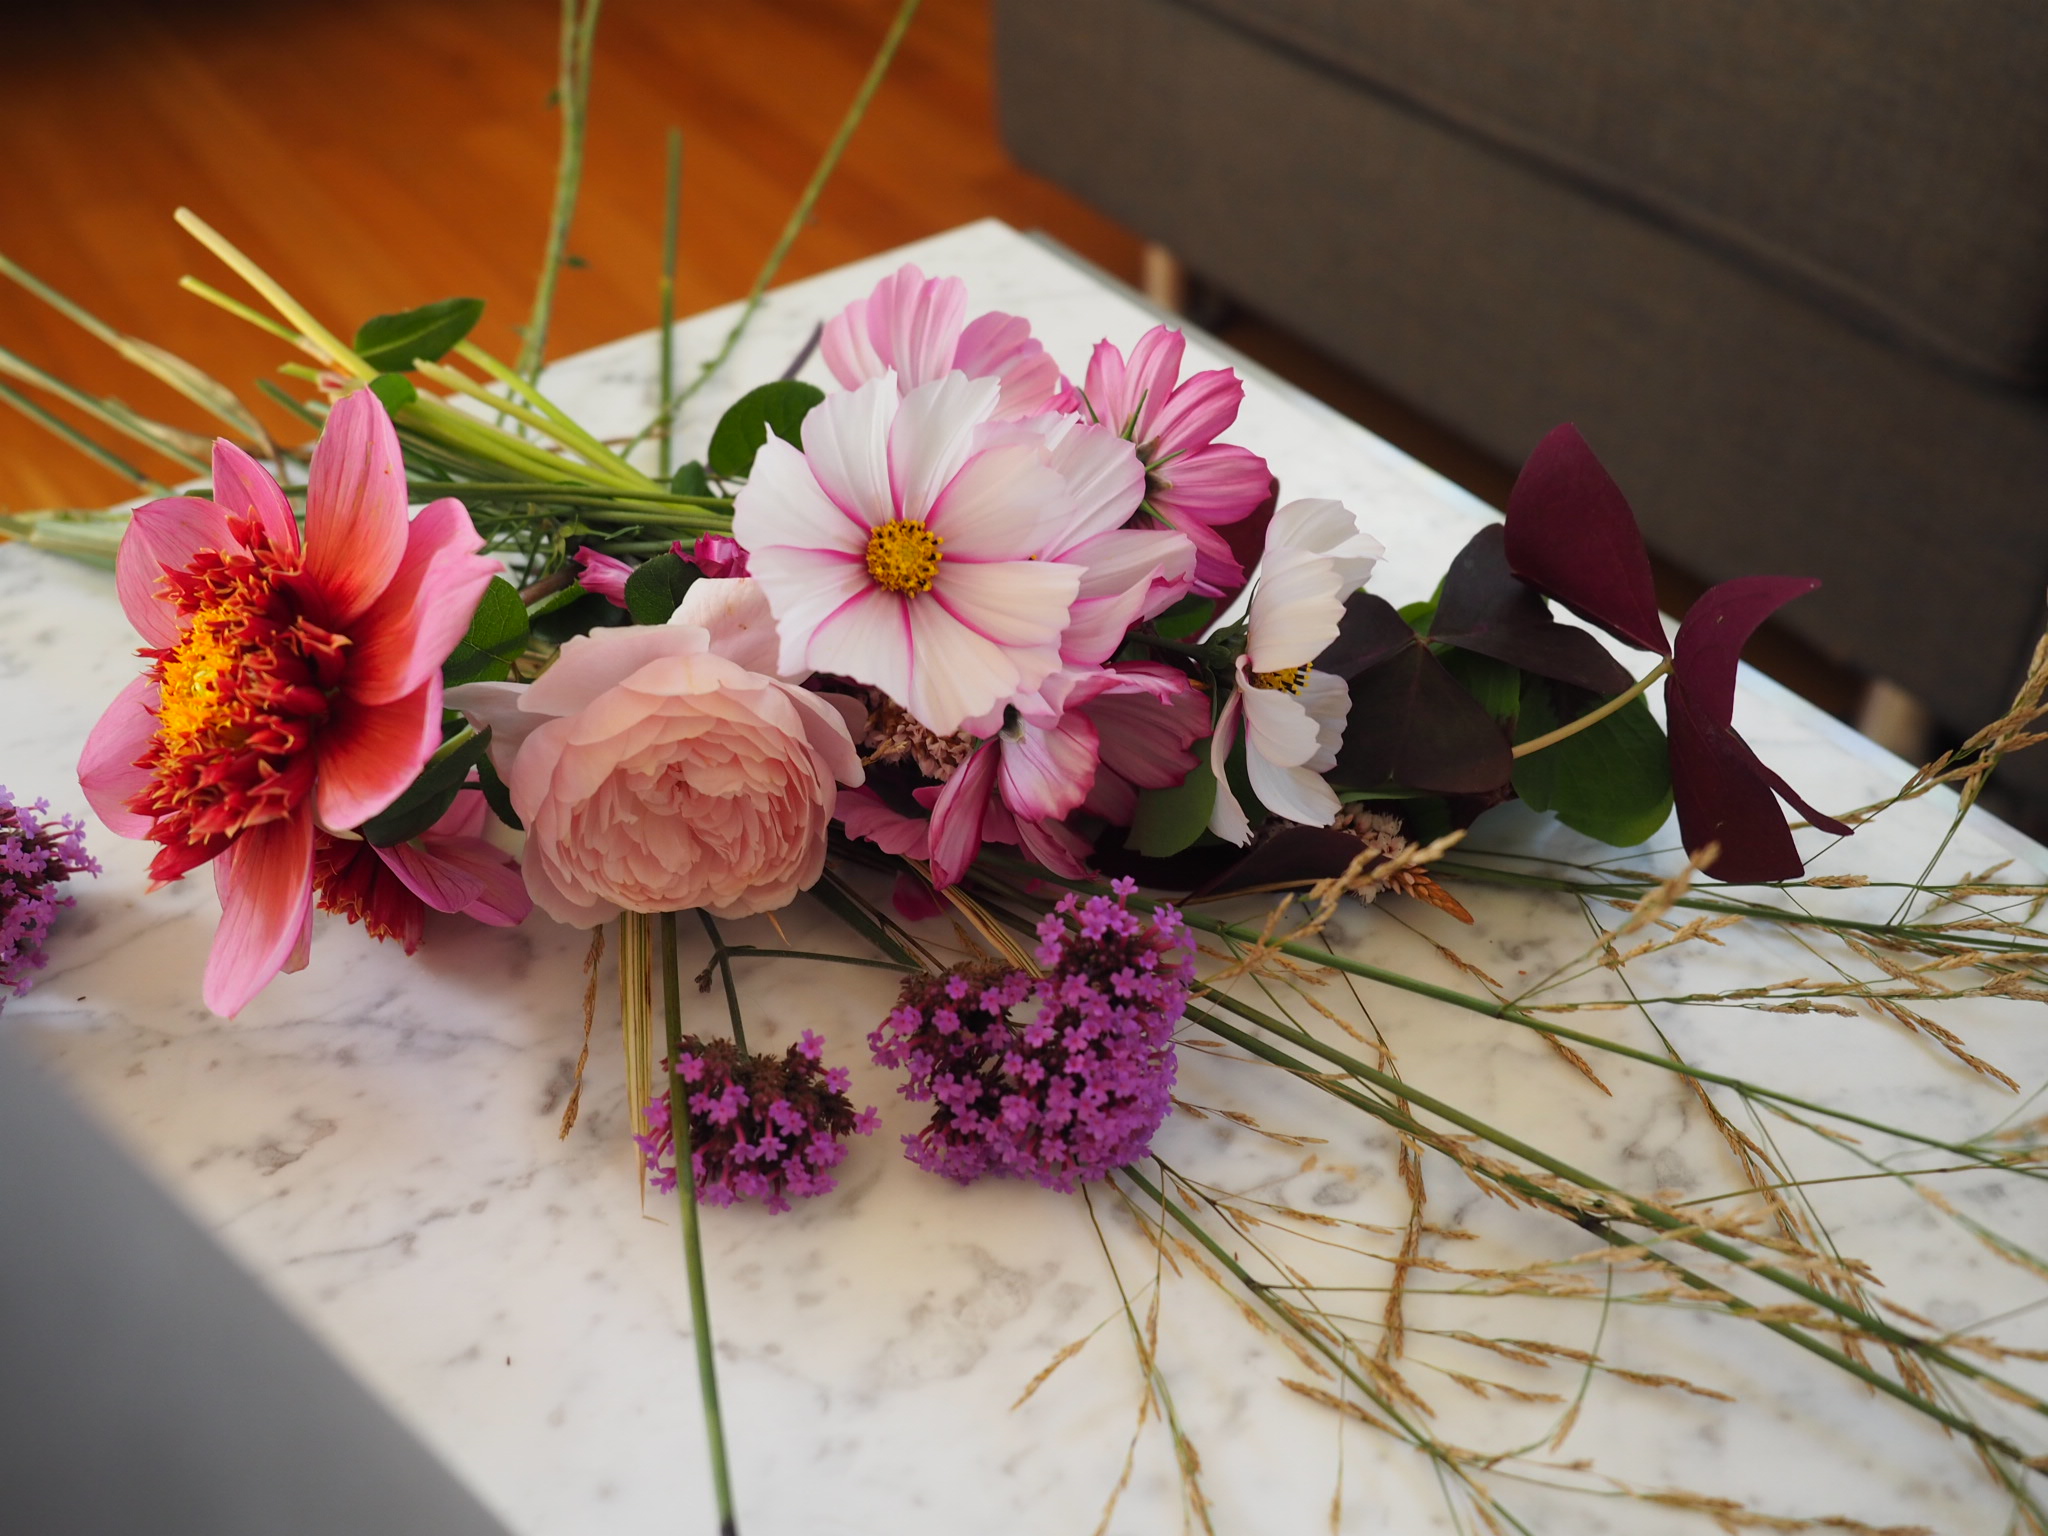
243,488
265,880
355,509
1047,773
106,768
1013,603
782,503
589,664
914,323
733,611
369,753
1147,384
868,640
1226,818
846,445
1278,727
958,813
1002,347
1213,485
931,438
806,588
1204,405
1299,794
1105,483
423,614
865,814
164,535
443,883
1004,504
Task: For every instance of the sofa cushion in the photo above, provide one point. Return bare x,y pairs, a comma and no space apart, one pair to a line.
1885,158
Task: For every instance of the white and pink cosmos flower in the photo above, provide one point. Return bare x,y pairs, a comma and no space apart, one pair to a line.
1292,715
923,545
1193,482
916,328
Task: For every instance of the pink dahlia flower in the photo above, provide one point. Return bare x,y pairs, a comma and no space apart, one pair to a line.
903,547
916,327
450,867
657,770
1192,481
289,682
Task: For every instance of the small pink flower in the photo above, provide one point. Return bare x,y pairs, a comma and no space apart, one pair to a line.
288,684
915,326
715,555
1192,481
655,770
1087,740
603,574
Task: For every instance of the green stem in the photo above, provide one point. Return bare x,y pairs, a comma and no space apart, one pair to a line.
671,226
693,1247
544,490
756,952
800,215
1593,717
578,28
721,957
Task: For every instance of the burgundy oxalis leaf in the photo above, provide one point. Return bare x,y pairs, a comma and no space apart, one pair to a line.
1572,536
1725,794
1411,724
1487,609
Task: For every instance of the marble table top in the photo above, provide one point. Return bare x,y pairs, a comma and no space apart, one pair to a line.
376,1138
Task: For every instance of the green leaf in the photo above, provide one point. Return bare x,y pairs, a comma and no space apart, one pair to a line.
1612,781
395,390
657,586
1496,685
427,801
496,795
1169,820
779,408
691,480
497,635
1419,616
556,601
397,342
1186,618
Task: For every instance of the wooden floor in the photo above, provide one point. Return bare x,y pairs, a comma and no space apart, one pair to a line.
382,153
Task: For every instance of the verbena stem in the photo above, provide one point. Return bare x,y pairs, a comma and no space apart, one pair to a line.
693,1247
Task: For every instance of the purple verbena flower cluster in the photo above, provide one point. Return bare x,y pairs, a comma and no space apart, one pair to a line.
761,1127
1076,1090
36,857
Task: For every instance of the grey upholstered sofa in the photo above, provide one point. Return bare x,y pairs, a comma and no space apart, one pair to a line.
1785,262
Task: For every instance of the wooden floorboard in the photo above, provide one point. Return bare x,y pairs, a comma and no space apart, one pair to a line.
383,153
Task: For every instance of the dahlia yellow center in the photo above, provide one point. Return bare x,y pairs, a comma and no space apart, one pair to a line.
904,557
193,678
1286,680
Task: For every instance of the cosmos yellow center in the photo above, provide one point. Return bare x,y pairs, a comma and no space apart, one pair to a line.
904,557
1286,680
194,677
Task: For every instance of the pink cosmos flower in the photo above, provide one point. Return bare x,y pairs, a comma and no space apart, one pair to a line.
1192,481
660,767
289,682
1088,740
915,326
903,547
450,867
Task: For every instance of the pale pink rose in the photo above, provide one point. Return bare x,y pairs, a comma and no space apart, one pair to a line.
655,772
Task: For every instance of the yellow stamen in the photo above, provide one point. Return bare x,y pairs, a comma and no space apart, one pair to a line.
904,557
205,657
1286,680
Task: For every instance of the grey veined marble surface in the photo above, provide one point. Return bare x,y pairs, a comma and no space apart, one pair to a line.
376,1138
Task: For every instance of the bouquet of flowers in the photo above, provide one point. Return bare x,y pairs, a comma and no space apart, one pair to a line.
1055,658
